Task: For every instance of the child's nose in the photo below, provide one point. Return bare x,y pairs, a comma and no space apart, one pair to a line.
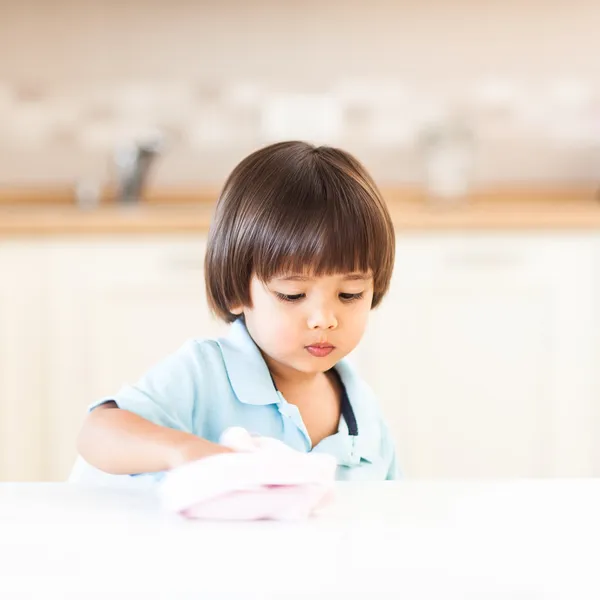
322,318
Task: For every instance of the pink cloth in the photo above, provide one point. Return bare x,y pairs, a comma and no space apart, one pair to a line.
264,479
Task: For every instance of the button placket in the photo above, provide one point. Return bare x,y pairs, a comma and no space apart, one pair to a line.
291,412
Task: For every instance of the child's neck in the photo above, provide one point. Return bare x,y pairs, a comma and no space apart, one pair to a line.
318,398
292,379
290,382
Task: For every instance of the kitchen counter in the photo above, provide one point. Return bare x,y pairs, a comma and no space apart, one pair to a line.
414,540
188,211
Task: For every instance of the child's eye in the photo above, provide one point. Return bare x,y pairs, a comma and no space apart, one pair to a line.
350,297
289,297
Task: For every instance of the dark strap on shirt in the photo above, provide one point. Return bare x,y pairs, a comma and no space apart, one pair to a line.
347,410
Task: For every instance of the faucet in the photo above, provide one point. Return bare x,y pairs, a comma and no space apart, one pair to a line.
132,162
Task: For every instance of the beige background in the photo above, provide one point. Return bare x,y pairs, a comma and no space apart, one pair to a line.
78,77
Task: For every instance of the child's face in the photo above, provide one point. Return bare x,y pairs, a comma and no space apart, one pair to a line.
306,323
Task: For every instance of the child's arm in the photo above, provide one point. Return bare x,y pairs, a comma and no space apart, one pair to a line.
120,442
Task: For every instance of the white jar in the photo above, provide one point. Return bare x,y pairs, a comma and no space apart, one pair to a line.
447,150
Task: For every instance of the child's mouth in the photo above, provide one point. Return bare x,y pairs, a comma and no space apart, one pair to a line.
320,350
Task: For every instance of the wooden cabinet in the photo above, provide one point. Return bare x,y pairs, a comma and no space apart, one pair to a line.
596,359
483,355
23,337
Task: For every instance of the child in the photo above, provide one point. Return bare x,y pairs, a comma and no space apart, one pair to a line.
300,249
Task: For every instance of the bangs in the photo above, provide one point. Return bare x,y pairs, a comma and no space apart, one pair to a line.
330,227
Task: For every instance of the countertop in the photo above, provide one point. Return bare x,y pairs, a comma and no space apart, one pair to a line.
521,539
179,211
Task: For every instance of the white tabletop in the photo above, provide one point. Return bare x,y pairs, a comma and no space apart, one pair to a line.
411,540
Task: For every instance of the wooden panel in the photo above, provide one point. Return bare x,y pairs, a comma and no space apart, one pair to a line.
190,210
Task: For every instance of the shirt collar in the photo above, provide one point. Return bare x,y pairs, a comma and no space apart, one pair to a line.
252,384
366,444
246,368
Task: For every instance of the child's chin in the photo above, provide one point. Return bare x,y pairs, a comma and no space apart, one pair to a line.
316,365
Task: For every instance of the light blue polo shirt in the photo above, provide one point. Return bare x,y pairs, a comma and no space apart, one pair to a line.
209,385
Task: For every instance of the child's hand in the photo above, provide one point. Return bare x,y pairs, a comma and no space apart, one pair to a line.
193,449
240,440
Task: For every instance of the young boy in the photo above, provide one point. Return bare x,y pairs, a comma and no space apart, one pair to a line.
300,250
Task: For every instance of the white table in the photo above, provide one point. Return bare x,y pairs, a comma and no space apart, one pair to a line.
411,540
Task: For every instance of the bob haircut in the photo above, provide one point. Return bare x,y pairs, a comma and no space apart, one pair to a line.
294,208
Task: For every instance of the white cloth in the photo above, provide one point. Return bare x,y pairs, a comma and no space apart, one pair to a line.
263,479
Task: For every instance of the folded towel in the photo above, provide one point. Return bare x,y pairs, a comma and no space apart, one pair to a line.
263,479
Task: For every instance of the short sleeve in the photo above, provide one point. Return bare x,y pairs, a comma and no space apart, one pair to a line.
167,394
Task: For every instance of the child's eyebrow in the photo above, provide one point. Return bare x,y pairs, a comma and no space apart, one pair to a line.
357,277
295,278
349,277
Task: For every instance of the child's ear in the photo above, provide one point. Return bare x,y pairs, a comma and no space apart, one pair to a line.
236,310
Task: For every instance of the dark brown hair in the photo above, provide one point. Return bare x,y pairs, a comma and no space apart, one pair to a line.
294,208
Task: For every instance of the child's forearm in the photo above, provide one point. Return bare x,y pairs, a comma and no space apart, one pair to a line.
120,442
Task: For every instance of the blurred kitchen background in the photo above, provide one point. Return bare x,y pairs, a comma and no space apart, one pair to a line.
479,120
